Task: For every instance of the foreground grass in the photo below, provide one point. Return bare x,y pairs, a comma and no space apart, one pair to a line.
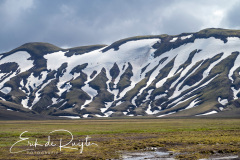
191,138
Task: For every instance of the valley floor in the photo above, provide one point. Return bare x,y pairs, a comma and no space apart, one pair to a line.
109,138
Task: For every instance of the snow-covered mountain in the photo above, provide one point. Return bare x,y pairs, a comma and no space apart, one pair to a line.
191,74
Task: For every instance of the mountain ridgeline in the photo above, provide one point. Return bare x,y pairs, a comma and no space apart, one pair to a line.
191,74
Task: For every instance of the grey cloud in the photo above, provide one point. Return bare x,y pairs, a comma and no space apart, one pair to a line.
231,19
83,22
181,20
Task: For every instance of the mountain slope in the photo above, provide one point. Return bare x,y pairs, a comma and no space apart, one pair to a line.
191,74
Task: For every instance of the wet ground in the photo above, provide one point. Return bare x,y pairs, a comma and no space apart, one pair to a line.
147,155
166,155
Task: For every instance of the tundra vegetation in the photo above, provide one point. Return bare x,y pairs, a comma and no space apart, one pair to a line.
189,138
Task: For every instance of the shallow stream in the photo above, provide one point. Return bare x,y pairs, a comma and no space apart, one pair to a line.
164,155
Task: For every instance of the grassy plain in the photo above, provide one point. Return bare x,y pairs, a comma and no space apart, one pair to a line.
189,138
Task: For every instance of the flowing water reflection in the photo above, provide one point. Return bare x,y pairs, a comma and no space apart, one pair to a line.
147,155
161,155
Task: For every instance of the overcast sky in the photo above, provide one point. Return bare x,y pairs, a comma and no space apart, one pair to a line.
71,23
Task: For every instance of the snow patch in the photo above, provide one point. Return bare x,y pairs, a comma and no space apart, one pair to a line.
210,47
109,113
221,108
71,117
148,111
21,58
129,51
107,105
203,85
166,114
24,102
34,82
149,94
208,113
192,104
24,64
6,90
66,87
91,92
118,103
235,92
133,101
85,115
54,100
178,101
185,37
174,39
160,96
62,104
222,101
37,95
21,83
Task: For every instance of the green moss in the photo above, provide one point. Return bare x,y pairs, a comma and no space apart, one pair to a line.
8,67
37,49
221,85
77,96
162,74
114,71
78,68
116,44
133,92
198,74
79,81
82,50
188,61
124,81
218,87
218,33
99,82
103,96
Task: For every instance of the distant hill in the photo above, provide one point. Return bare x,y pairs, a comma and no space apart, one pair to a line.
191,74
